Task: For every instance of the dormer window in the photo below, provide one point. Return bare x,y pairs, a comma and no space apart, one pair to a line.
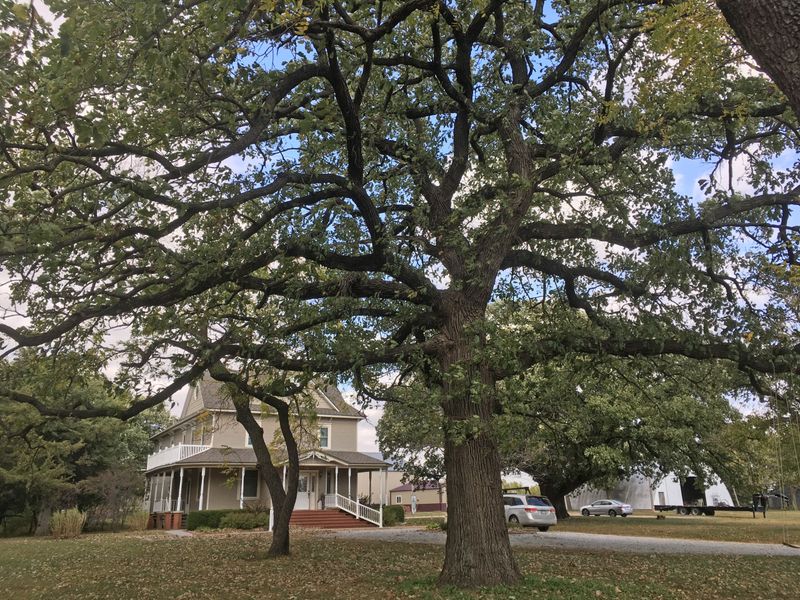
325,436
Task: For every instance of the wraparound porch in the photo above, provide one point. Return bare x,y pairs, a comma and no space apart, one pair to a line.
328,479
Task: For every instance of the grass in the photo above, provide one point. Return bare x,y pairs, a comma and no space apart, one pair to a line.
726,527
232,565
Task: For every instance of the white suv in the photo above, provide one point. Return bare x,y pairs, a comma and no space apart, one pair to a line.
535,511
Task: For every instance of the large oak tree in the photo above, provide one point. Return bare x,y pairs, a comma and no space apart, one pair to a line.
324,187
770,31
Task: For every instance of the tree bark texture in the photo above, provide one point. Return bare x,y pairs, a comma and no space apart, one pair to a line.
556,495
478,551
282,500
282,503
770,31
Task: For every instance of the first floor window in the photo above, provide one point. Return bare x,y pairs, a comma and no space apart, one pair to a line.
398,500
251,483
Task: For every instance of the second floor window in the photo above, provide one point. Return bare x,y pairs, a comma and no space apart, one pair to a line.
325,436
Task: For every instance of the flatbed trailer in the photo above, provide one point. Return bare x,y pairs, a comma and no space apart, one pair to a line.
706,510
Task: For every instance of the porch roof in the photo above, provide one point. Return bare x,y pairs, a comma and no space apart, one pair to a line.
246,457
342,458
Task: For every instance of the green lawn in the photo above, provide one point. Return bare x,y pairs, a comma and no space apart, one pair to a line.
729,527
232,566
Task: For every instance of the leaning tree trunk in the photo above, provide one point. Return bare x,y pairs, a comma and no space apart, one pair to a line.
283,503
770,31
282,499
478,551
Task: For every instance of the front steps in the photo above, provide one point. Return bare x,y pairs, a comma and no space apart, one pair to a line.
327,519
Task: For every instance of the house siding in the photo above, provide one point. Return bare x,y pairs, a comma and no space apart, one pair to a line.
344,433
228,431
193,403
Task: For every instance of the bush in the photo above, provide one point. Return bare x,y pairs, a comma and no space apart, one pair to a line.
137,520
205,518
110,496
67,523
392,515
244,520
235,519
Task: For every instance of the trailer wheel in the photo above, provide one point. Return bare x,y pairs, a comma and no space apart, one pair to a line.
696,512
682,511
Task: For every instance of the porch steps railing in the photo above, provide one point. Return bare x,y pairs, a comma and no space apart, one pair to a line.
327,519
359,511
173,454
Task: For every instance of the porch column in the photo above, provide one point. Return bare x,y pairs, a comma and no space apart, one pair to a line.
271,518
385,486
284,478
169,493
161,479
148,494
241,491
370,486
349,482
336,482
179,507
381,503
202,487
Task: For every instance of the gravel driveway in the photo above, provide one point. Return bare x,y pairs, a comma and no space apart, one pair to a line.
567,540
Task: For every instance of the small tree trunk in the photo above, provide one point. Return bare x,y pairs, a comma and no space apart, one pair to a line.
478,551
42,520
770,31
282,499
280,528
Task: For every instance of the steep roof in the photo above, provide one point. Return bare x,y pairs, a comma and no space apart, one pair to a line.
209,394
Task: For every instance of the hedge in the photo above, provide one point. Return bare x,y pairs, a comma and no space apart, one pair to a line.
205,518
244,520
393,514
234,519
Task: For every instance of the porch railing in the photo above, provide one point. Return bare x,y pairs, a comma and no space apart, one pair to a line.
173,454
165,505
359,511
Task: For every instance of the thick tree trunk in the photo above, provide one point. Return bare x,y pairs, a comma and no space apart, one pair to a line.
555,494
478,551
770,31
